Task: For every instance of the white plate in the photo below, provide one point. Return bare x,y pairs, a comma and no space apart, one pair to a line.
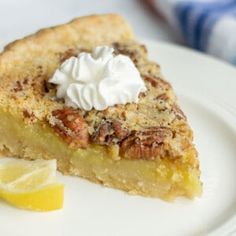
207,92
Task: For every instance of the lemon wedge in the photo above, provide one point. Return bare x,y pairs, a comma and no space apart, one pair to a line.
30,184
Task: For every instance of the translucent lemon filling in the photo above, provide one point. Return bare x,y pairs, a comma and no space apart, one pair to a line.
160,178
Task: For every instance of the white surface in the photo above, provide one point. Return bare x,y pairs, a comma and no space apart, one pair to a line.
22,17
206,89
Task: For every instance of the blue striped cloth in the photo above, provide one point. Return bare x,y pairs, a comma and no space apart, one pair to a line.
206,25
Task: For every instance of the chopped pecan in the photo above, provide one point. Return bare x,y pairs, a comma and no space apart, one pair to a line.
164,84
68,53
163,97
26,114
29,116
38,87
142,95
110,133
25,81
38,83
178,112
136,53
157,82
18,86
69,124
48,86
146,144
123,49
162,101
152,80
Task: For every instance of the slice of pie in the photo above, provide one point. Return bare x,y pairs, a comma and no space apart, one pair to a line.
143,148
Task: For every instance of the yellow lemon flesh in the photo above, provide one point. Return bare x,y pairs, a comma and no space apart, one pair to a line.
30,184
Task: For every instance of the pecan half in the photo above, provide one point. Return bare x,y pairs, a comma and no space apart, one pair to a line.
69,124
146,144
110,133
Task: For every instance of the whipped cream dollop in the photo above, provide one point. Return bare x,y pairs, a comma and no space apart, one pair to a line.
98,80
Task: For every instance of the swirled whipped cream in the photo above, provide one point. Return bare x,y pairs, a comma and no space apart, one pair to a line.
98,80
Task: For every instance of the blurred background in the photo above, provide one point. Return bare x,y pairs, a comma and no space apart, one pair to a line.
19,18
205,25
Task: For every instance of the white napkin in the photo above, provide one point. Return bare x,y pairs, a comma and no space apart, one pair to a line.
206,25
